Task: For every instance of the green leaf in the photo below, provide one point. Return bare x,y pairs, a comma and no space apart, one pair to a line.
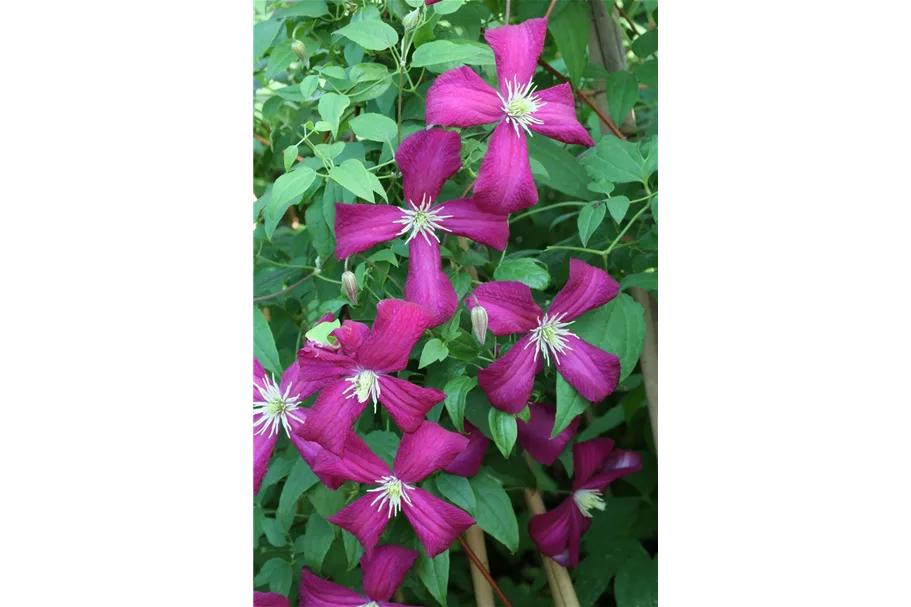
570,405
264,344
450,329
565,172
367,72
590,217
354,177
385,255
326,501
300,479
374,127
495,513
643,280
434,350
371,34
309,85
353,549
304,8
618,328
646,44
570,30
263,34
268,569
608,421
655,208
384,444
637,582
319,230
457,390
622,94
503,430
524,414
282,56
448,51
462,283
618,205
274,531
434,573
286,191
595,571
331,107
446,7
457,490
320,332
647,73
290,155
317,540
280,580
528,271
615,160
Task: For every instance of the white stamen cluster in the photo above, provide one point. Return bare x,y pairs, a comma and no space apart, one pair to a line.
586,499
275,407
371,604
549,337
392,491
364,385
421,220
520,104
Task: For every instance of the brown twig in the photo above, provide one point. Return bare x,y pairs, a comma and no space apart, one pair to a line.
584,98
628,20
550,9
483,570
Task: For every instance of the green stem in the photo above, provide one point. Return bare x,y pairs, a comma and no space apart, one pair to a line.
547,208
613,245
579,249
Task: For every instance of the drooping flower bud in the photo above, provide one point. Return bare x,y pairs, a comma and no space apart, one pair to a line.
301,51
479,323
349,283
410,20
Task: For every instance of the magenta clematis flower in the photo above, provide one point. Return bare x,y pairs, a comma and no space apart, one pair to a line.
421,453
427,159
460,98
468,462
596,464
591,371
383,571
359,371
534,435
269,599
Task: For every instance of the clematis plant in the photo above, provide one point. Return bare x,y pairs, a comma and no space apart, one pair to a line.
468,462
508,381
358,371
461,98
420,454
427,159
383,571
596,464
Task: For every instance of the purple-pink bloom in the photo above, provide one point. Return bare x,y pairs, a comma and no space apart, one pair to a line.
421,453
593,372
534,435
460,98
383,571
359,370
427,159
468,462
269,599
596,464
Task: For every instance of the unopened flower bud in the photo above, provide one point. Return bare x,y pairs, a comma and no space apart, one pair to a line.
479,322
410,20
301,51
349,283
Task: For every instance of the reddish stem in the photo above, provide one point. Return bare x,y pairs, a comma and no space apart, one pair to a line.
483,570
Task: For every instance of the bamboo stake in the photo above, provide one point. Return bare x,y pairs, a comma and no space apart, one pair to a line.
561,585
483,592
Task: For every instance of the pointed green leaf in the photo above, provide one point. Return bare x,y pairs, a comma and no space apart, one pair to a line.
371,34
528,271
434,350
618,205
570,405
495,513
503,430
570,30
264,344
617,328
457,490
590,217
317,540
434,573
457,390
622,94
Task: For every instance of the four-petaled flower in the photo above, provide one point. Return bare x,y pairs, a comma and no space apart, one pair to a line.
596,464
427,159
421,453
383,571
460,98
359,371
590,370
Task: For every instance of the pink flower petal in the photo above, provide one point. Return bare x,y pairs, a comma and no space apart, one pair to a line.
351,335
398,326
534,435
361,226
588,458
308,450
262,451
426,450
469,221
296,386
619,463
557,532
559,116
516,49
269,599
317,592
593,372
508,381
427,285
510,307
358,464
320,367
505,184
366,522
587,288
332,416
468,462
385,570
460,98
429,2
435,522
427,159
258,374
407,403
